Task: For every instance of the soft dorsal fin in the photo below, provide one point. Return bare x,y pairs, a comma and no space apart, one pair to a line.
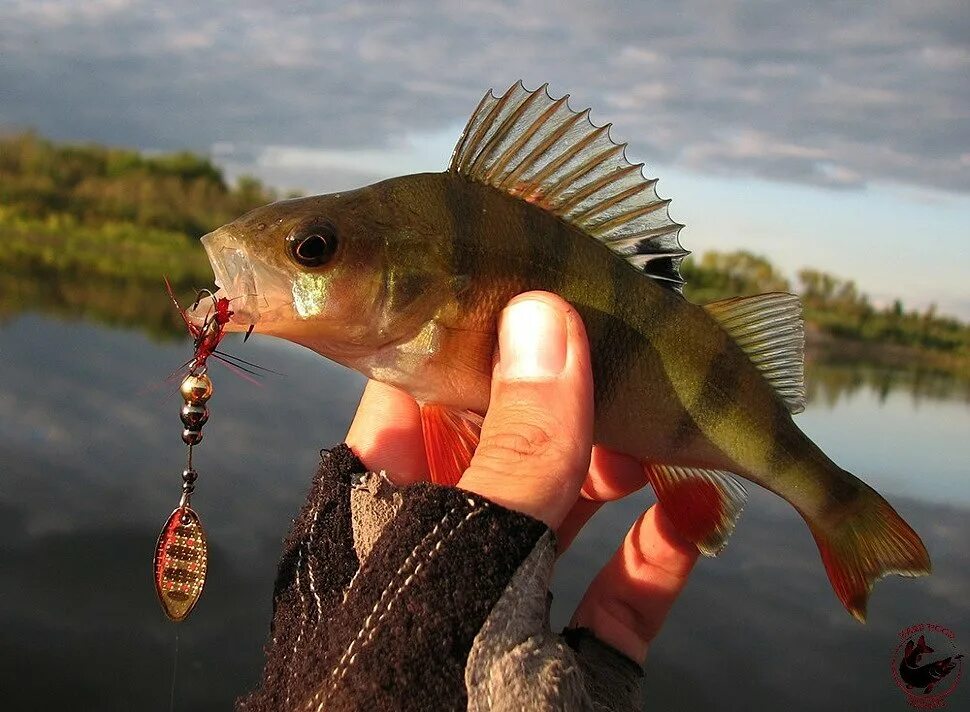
769,328
537,148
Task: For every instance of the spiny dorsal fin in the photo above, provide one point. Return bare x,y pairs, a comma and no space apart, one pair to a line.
537,148
769,328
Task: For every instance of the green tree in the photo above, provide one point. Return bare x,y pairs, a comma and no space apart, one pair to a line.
718,275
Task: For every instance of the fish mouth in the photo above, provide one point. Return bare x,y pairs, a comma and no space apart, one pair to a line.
259,293
234,278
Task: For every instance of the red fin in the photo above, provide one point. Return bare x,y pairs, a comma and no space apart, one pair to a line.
450,439
866,545
702,504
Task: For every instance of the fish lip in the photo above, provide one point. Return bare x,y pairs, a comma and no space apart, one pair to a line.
234,278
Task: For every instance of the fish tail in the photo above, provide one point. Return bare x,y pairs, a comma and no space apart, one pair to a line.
866,544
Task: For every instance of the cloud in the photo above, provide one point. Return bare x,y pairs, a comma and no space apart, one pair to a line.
828,94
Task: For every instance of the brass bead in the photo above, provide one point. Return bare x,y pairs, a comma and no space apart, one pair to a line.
196,390
191,437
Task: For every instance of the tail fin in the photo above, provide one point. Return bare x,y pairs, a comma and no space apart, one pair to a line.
866,545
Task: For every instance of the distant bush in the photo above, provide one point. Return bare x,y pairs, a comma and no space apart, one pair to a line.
834,304
87,230
718,275
95,185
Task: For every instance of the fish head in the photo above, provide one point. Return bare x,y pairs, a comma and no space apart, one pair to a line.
323,271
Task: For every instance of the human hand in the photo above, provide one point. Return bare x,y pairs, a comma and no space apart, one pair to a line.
536,456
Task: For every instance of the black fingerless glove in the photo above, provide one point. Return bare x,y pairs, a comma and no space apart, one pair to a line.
424,598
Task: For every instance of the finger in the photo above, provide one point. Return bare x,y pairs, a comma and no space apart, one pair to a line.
386,434
536,439
612,475
630,597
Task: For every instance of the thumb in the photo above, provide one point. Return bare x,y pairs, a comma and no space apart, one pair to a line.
537,435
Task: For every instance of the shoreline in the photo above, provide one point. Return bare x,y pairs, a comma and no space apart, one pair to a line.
122,293
824,347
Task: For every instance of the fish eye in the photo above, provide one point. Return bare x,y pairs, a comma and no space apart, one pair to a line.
312,245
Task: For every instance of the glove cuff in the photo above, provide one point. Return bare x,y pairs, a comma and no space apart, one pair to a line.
393,632
423,597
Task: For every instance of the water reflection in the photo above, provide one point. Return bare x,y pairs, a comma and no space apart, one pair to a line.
90,457
833,379
132,304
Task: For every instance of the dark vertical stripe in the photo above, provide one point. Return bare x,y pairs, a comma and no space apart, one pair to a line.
719,390
783,446
616,343
463,203
549,244
638,311
684,432
721,386
654,312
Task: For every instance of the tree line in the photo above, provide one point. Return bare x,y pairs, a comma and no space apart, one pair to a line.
834,304
111,212
97,185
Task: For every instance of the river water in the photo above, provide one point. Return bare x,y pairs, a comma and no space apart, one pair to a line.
90,462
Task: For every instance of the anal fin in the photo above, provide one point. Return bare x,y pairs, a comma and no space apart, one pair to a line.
450,439
702,504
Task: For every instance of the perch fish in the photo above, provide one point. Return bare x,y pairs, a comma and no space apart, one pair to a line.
404,280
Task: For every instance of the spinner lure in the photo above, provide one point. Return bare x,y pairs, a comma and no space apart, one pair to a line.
181,554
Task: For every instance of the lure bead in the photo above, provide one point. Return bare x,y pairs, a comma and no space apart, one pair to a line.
196,389
194,416
189,476
191,437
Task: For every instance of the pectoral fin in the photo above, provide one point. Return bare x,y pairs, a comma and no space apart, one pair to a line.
450,439
702,504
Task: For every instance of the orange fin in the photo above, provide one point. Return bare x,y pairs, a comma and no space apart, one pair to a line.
866,545
450,439
702,504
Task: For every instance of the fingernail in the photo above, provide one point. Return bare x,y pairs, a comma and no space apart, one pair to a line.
532,340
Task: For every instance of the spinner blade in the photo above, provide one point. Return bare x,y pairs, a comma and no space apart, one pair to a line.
181,558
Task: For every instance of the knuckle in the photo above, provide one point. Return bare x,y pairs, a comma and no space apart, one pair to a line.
624,615
525,432
517,442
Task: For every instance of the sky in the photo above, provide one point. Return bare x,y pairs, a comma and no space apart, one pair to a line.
832,134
